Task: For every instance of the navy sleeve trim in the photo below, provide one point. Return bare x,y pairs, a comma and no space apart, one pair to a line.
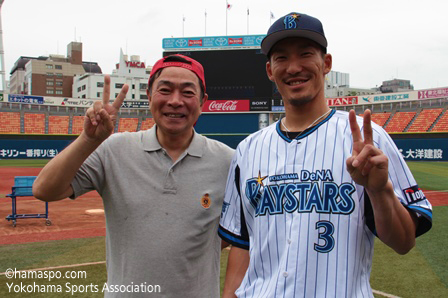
233,239
244,233
237,179
424,221
368,213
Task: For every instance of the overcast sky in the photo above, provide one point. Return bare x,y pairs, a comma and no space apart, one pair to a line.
373,41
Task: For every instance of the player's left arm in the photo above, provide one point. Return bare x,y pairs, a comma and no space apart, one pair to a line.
237,264
368,166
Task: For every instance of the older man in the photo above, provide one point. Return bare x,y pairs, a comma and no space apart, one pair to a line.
162,188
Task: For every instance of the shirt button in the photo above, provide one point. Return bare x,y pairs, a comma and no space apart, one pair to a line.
289,241
285,274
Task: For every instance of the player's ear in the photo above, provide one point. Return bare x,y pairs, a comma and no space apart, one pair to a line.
328,63
269,71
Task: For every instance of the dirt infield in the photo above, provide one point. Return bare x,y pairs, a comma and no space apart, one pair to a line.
69,217
437,198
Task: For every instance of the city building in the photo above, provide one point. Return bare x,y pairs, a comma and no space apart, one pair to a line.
17,78
52,75
337,79
396,85
128,71
337,91
337,84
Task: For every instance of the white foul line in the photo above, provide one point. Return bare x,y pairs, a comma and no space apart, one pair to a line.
384,294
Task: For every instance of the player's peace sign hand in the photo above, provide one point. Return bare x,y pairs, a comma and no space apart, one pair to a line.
100,118
368,166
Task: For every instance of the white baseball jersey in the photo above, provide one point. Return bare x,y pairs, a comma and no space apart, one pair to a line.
308,227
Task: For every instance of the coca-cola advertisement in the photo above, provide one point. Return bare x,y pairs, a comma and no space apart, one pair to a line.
223,106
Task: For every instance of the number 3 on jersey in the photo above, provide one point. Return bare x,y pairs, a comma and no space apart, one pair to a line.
326,234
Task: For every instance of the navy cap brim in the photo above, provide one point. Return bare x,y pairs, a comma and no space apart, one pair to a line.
270,40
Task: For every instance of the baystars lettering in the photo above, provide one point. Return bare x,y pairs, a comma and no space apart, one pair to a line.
303,197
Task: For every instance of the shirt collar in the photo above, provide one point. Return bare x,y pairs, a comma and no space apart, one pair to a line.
150,142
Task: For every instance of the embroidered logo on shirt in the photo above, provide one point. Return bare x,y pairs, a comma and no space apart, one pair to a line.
206,201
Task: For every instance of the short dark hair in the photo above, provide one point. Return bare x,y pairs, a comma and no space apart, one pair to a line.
174,58
322,49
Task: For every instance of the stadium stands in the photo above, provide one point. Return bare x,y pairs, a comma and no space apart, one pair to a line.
127,124
147,123
424,120
442,124
9,122
34,123
17,118
380,118
77,124
399,121
58,124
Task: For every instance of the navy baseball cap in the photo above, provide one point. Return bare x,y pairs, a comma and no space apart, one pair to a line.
294,24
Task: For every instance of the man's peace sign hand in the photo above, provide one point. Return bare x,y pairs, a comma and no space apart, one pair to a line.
100,119
368,166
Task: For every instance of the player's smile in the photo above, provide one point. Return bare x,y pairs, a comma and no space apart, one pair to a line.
296,81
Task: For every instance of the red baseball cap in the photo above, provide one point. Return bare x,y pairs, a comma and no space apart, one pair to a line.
192,65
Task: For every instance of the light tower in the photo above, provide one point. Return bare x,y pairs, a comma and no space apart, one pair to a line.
2,52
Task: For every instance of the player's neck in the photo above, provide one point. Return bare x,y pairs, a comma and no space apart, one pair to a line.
301,118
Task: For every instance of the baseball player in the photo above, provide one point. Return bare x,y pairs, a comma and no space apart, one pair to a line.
307,195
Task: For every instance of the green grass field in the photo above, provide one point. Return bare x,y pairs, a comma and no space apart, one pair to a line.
22,163
421,273
430,175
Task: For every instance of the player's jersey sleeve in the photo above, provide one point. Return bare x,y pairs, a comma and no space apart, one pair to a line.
404,184
232,225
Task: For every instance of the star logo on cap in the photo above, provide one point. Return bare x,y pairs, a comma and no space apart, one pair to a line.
290,21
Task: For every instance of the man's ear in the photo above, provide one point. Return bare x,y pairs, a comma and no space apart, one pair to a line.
269,71
204,100
328,63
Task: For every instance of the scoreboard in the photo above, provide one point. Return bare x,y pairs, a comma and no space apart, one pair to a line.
233,74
